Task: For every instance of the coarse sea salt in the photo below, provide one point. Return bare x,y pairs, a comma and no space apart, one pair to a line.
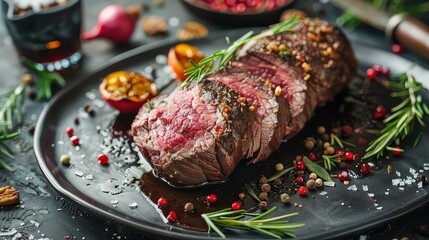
133,205
371,195
323,193
379,208
365,188
352,188
329,184
78,173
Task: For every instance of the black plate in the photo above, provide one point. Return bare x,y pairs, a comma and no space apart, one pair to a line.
339,213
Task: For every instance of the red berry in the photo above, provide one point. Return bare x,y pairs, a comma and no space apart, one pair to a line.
339,151
365,169
162,201
69,131
300,165
398,49
348,156
347,130
299,180
378,68
172,216
312,157
74,140
103,159
212,198
356,156
236,206
397,151
380,111
371,73
362,141
385,71
344,176
303,191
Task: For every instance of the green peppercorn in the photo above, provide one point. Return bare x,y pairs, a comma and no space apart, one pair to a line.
65,159
279,167
285,198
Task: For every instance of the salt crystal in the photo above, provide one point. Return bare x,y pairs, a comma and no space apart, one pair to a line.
365,188
379,208
426,164
342,204
161,59
420,184
402,183
398,174
173,21
375,204
371,195
323,193
78,173
352,188
426,168
329,184
132,205
421,170
89,177
412,170
90,95
401,188
387,193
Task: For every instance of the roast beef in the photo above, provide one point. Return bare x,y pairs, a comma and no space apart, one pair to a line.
200,133
195,134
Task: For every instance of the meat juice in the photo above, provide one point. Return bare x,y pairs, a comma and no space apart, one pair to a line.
45,34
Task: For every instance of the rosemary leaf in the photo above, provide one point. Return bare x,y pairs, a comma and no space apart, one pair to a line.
221,58
252,193
318,170
281,173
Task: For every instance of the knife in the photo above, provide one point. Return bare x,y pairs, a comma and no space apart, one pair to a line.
400,28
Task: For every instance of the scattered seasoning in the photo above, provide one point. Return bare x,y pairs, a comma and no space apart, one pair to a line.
172,216
103,159
65,159
278,182
188,208
312,156
397,151
299,180
263,196
285,198
133,205
279,167
312,176
266,187
263,180
371,73
365,168
192,30
89,110
421,178
69,131
319,182
242,195
162,201
311,184
212,198
348,156
344,176
300,165
263,205
389,169
74,140
397,48
236,206
303,191
154,25
76,121
321,130
380,111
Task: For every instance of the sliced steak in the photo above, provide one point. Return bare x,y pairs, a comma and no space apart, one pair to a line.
196,134
272,112
311,65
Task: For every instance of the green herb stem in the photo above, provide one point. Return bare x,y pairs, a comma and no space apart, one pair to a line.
221,58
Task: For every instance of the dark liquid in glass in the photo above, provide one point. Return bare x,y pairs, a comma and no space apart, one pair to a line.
46,36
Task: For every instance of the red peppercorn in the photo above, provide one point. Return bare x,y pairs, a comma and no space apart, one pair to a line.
212,198
348,156
69,131
162,201
300,165
236,206
172,216
302,191
385,71
362,141
371,73
347,130
312,157
398,49
339,151
378,68
344,176
299,180
397,151
356,156
74,140
365,169
103,159
380,111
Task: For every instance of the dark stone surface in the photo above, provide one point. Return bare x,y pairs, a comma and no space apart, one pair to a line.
42,213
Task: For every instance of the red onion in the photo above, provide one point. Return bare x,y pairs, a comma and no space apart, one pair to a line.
115,23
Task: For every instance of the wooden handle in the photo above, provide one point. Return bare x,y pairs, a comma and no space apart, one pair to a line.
413,34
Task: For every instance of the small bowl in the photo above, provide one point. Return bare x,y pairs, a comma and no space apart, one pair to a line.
260,16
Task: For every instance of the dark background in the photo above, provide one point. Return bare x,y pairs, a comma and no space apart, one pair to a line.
42,213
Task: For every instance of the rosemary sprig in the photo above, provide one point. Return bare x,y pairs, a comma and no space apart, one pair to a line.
46,80
226,218
11,111
220,58
336,140
5,151
404,116
331,162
